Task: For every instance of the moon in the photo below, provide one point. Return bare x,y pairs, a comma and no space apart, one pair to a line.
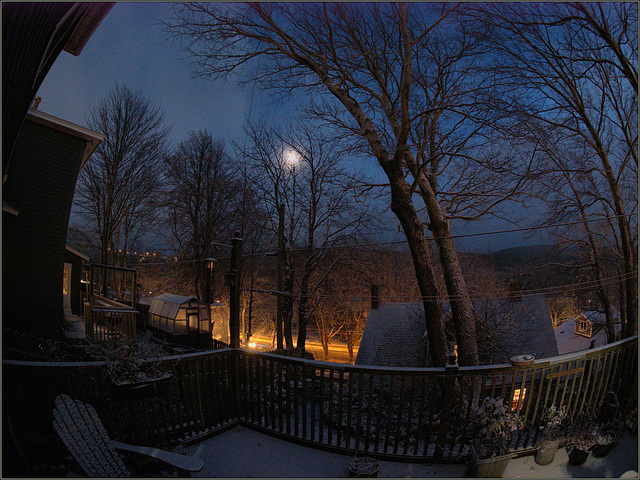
291,157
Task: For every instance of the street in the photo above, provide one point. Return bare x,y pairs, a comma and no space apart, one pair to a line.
338,351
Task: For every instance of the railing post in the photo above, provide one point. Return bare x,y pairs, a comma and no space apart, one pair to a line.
450,379
88,322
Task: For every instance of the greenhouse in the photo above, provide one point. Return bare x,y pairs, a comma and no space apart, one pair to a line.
181,319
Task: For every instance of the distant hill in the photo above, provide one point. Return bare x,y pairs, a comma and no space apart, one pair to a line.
537,266
545,252
528,253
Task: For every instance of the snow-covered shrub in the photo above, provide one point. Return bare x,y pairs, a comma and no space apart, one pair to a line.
491,427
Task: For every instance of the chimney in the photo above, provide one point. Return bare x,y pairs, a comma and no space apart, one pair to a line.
375,296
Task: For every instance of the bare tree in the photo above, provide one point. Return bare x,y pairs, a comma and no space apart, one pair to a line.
562,309
330,323
300,168
573,194
115,189
573,68
201,189
364,58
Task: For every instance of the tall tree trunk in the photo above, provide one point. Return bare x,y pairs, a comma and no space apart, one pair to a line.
628,251
289,277
303,319
630,260
622,292
404,209
461,305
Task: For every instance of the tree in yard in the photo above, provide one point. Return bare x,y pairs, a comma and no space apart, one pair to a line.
397,82
329,323
199,200
561,309
571,69
568,189
300,168
115,189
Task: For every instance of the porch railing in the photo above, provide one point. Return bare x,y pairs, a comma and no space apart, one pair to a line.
422,413
107,319
387,412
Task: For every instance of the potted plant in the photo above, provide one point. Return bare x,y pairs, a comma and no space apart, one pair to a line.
363,467
553,428
490,431
134,369
581,438
610,426
604,441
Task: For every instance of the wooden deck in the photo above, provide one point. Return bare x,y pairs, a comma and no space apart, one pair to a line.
393,413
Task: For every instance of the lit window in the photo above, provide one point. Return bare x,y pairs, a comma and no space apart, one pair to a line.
516,398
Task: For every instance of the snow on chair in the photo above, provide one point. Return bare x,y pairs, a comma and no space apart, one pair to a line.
81,430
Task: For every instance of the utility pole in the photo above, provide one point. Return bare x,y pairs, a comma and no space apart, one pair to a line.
234,291
233,281
280,286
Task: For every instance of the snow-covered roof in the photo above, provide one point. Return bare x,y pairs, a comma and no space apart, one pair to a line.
393,336
394,333
168,304
569,342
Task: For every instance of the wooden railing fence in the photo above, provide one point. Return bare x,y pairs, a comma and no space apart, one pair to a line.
387,412
422,413
108,320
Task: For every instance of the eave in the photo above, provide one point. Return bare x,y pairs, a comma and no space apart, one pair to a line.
92,138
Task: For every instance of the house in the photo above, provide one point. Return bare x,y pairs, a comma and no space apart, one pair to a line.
506,327
584,331
46,160
41,158
33,35
73,285
393,336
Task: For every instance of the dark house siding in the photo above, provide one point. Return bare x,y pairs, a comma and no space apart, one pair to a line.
33,35
76,281
44,169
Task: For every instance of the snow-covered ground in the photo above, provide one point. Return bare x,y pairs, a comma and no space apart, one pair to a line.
244,453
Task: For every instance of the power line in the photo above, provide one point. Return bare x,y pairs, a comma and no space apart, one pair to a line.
465,235
400,242
174,262
587,285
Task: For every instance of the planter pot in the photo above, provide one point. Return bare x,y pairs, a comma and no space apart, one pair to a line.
603,448
577,456
547,452
522,360
363,467
492,467
142,388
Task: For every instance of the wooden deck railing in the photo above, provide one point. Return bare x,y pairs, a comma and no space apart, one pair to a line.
422,412
107,319
389,412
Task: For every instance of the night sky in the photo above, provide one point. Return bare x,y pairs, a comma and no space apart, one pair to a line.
130,47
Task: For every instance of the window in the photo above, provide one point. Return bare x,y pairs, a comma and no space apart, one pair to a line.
583,328
516,398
